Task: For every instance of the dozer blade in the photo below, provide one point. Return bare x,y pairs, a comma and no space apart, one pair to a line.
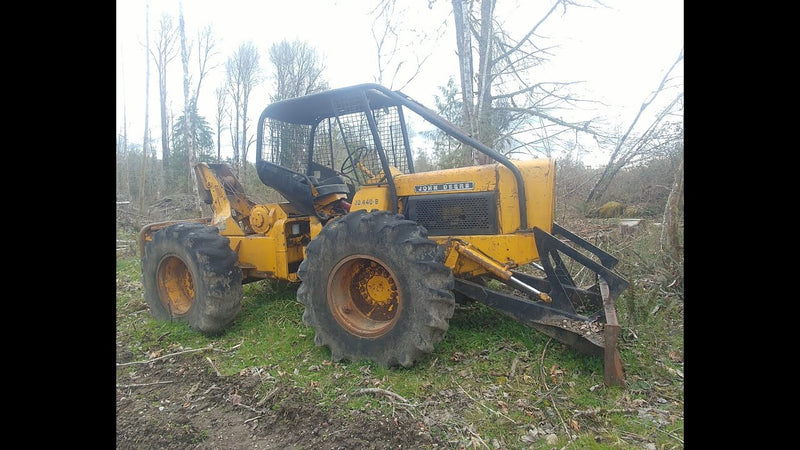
591,337
595,334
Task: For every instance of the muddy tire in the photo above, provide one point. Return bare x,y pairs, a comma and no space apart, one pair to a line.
375,287
190,275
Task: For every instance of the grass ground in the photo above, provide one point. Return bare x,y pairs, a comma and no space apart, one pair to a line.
491,383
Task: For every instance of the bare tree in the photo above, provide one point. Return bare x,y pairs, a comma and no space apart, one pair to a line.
233,126
206,50
186,134
297,69
465,69
670,230
145,138
652,137
123,176
501,107
243,74
222,106
188,105
165,51
390,27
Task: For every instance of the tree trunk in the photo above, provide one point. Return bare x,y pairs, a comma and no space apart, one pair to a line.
464,49
220,111
484,132
188,128
670,231
164,120
244,131
219,142
123,165
146,108
235,137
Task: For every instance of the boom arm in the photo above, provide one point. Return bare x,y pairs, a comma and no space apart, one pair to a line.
220,188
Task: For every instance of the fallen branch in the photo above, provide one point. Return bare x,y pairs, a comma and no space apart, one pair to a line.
401,406
564,424
165,356
236,346
249,408
213,366
125,386
544,382
547,394
541,364
379,391
268,396
230,349
481,403
478,437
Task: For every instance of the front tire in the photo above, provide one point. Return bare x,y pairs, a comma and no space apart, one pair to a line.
190,275
375,287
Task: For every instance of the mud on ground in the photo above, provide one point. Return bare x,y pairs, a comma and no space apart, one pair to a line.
180,403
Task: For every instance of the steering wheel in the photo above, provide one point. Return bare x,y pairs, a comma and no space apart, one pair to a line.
352,159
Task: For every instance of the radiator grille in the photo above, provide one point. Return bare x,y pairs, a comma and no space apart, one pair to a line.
455,214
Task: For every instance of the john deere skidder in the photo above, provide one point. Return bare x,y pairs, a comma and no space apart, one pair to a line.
381,251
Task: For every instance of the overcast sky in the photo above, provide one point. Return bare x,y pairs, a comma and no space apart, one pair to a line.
620,52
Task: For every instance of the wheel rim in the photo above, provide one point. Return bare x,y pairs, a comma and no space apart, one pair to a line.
175,286
364,297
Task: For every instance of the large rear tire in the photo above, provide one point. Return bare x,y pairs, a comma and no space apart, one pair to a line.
375,287
190,275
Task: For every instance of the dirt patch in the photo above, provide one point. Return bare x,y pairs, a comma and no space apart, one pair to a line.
180,402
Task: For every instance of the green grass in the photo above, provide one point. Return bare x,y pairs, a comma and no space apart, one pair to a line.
490,379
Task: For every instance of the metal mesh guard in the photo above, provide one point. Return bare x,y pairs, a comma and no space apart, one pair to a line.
455,214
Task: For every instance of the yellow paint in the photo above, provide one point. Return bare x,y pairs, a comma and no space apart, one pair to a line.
471,253
262,218
379,289
224,203
371,197
484,178
316,226
540,188
375,179
507,250
539,176
267,255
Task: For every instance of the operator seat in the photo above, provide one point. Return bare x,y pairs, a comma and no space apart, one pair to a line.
296,187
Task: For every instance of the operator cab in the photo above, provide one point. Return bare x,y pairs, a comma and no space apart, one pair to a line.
357,134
